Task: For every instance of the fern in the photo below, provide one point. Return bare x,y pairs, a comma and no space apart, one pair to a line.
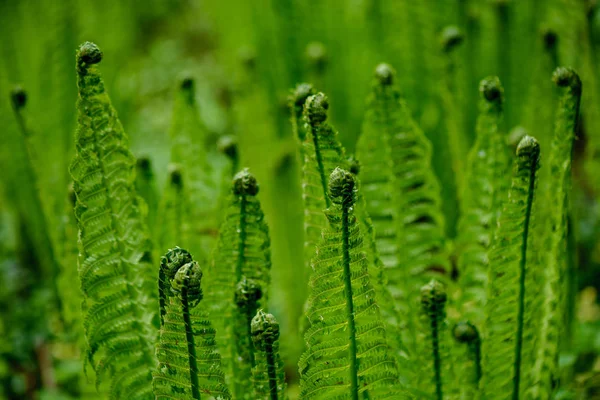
297,99
322,154
243,251
487,168
402,196
113,241
347,351
469,370
174,219
145,185
503,343
268,375
436,377
545,369
189,363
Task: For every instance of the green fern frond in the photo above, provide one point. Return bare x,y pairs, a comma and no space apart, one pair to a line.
322,154
188,137
555,261
268,375
243,251
402,196
113,240
347,355
188,360
503,341
296,103
487,168
468,367
436,377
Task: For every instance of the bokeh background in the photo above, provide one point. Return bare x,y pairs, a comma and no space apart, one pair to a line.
245,57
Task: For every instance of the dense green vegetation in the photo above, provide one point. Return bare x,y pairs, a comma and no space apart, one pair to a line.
281,199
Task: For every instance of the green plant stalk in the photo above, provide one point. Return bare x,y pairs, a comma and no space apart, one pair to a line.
162,296
242,239
437,361
271,369
189,337
349,305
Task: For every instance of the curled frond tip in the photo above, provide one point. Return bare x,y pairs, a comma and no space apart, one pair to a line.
491,89
247,293
244,183
465,332
173,260
451,37
264,329
18,97
567,77
433,295
315,108
342,187
191,274
385,74
528,147
89,53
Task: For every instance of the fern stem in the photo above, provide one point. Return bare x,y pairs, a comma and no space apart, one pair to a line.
242,242
315,111
531,146
433,298
189,337
162,296
349,301
271,369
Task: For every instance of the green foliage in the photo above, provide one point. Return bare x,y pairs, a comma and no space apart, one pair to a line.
113,240
188,359
503,374
242,252
347,351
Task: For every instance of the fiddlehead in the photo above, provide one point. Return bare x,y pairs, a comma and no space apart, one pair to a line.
268,375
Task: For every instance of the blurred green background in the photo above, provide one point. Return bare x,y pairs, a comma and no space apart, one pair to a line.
245,57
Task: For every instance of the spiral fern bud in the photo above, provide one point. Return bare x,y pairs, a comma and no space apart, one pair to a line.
171,262
247,294
342,187
465,332
175,177
567,77
491,90
315,109
189,274
451,38
18,96
528,148
385,74
244,183
264,329
550,38
433,296
228,146
88,54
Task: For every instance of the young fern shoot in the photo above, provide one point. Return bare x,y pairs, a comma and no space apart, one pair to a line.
503,376
296,103
268,375
113,240
545,369
347,353
242,253
189,363
487,168
469,371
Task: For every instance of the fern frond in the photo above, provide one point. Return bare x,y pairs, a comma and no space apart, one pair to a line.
402,196
268,375
436,377
188,360
468,367
487,168
503,341
243,251
555,259
296,103
322,154
145,185
188,137
113,241
347,353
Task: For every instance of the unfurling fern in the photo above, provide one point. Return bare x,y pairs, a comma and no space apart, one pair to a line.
268,375
322,154
402,196
502,347
487,168
174,219
243,252
188,139
555,258
113,241
436,377
188,361
347,355
468,368
296,103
